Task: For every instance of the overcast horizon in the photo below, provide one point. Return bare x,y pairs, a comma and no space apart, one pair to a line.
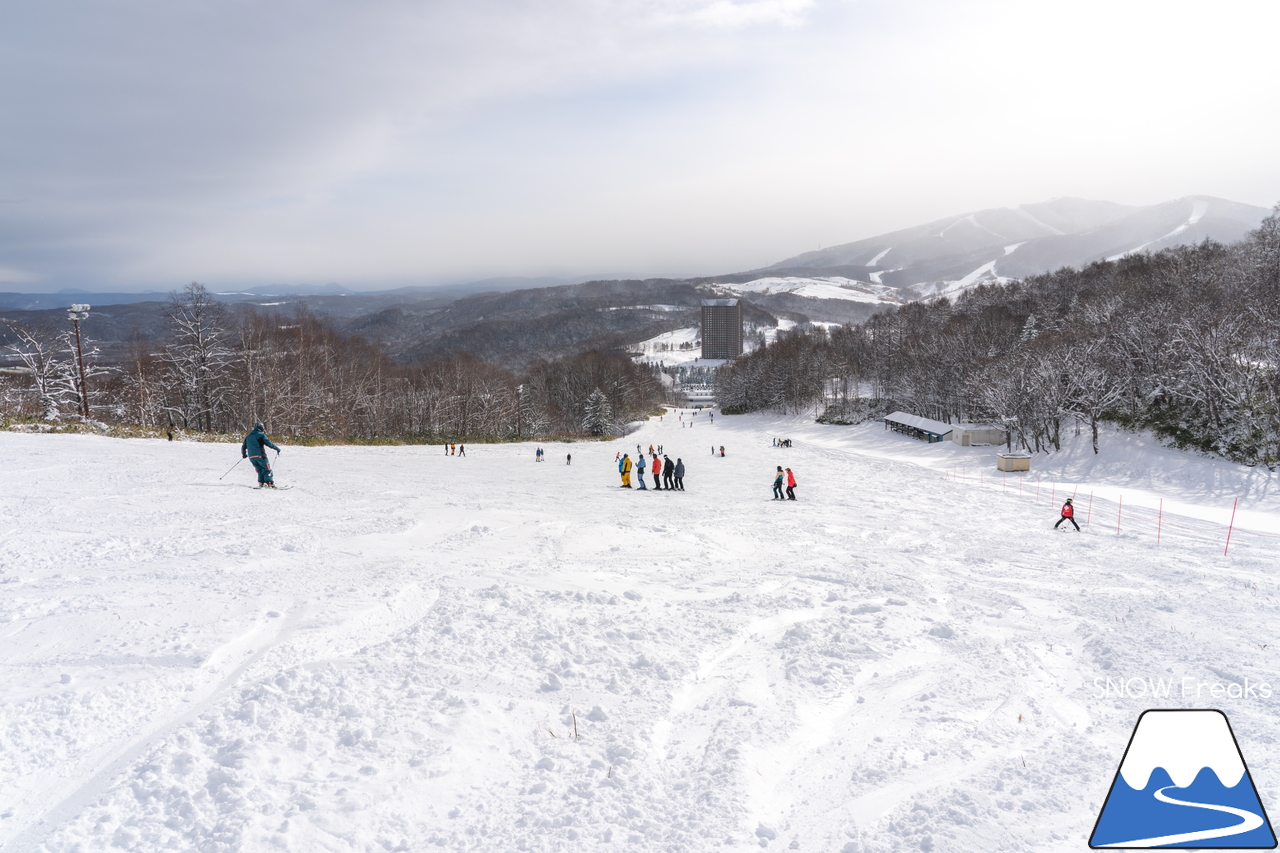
146,145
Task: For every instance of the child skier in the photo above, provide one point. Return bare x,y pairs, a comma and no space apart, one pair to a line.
1068,514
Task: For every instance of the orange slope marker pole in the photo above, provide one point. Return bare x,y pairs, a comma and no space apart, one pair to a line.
1231,526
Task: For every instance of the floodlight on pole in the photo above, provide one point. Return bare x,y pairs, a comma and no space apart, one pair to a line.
76,313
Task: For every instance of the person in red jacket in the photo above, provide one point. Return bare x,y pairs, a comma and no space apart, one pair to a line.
657,473
791,485
1068,514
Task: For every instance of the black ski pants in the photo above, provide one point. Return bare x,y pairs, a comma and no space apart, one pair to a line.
666,481
679,484
1067,518
791,493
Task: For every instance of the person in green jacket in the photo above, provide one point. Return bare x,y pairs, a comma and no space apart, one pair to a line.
254,448
777,485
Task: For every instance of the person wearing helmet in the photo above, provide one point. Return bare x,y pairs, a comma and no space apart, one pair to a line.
254,448
777,485
1068,514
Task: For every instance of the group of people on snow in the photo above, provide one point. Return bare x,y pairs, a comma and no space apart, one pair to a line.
664,471
784,478
667,475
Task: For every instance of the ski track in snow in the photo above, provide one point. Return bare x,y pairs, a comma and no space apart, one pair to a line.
394,654
1198,210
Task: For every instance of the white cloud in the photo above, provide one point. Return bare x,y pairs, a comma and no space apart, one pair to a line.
12,276
394,141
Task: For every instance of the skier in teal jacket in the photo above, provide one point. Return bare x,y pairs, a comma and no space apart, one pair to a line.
254,449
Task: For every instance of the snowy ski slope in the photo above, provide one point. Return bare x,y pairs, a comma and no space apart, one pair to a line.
394,655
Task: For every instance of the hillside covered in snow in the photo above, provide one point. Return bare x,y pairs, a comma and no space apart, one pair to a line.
1000,244
412,651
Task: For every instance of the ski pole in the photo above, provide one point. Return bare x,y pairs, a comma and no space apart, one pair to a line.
233,467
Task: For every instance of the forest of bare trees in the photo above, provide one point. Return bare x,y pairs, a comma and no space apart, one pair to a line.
1185,342
220,370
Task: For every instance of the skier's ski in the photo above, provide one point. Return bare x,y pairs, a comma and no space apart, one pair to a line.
275,489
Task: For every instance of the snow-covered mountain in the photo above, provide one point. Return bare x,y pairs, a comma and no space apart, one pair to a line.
952,254
817,287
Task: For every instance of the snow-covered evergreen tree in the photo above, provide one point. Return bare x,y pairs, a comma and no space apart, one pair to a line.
597,417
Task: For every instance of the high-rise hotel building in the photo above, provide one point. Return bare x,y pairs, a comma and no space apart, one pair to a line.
721,328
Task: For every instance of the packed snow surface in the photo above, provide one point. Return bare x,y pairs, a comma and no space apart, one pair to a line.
414,651
819,287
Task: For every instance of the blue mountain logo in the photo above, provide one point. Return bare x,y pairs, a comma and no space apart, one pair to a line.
1183,783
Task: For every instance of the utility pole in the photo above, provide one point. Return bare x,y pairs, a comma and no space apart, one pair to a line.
77,313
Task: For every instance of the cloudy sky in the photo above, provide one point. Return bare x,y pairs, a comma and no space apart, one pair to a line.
148,143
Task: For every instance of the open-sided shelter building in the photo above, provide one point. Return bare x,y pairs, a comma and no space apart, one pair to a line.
925,429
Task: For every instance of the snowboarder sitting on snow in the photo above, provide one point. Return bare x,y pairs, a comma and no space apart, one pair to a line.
1068,514
254,449
777,485
791,485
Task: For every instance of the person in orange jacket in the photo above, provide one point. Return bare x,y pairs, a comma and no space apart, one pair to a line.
1068,514
657,473
791,485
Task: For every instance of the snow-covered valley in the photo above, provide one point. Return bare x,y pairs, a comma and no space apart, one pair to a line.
413,651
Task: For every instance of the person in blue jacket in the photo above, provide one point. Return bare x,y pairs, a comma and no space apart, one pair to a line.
254,449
